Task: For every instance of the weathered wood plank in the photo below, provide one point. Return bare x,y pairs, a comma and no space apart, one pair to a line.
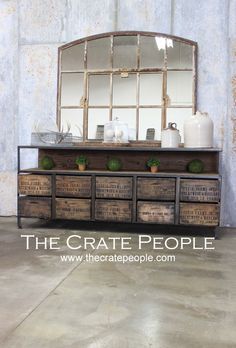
112,210
155,212
199,214
199,190
35,207
34,185
157,188
114,187
73,209
73,186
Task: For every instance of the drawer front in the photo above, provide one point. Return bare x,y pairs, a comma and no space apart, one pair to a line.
35,185
199,214
199,190
114,187
113,210
35,207
157,188
156,212
73,209
73,186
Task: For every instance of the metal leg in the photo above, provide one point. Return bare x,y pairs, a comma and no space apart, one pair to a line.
19,225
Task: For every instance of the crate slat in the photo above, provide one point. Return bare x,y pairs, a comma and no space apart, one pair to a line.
157,188
35,207
155,212
112,210
199,190
114,187
73,209
73,186
199,214
35,185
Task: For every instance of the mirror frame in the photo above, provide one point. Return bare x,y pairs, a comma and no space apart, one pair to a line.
162,70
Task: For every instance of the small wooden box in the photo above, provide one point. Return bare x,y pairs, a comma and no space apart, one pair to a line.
114,187
199,214
73,209
112,210
35,207
73,186
156,212
35,185
199,190
157,188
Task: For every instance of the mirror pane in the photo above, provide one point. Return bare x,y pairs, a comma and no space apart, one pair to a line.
150,89
74,118
178,116
98,54
180,56
72,89
72,58
150,55
125,52
124,89
99,90
127,116
149,119
179,87
97,118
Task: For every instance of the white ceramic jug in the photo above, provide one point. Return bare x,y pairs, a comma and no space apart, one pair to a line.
198,131
170,136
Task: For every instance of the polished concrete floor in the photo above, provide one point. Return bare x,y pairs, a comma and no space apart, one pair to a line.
44,302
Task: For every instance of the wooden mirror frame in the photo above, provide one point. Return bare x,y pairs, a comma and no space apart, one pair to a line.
163,70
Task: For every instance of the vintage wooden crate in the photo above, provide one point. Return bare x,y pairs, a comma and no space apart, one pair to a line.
35,207
199,214
73,186
34,185
156,212
113,210
192,190
73,209
156,188
114,187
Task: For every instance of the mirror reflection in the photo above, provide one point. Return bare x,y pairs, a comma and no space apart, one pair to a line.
145,80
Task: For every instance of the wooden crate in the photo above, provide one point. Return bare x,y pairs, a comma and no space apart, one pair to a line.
73,209
114,187
35,185
73,186
192,190
112,210
155,212
199,214
35,207
156,188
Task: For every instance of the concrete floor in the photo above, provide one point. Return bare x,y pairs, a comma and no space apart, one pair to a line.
47,303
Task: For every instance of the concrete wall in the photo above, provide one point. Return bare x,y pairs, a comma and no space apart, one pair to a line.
31,31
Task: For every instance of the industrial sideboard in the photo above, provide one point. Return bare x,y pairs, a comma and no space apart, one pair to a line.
171,196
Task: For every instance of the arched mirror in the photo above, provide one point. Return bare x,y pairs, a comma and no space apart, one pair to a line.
144,79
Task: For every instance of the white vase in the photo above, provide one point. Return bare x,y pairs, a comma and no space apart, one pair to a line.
170,136
198,131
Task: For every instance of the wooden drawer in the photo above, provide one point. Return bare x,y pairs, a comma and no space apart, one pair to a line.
112,210
73,209
35,207
156,212
35,185
73,186
199,190
156,188
114,187
199,214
